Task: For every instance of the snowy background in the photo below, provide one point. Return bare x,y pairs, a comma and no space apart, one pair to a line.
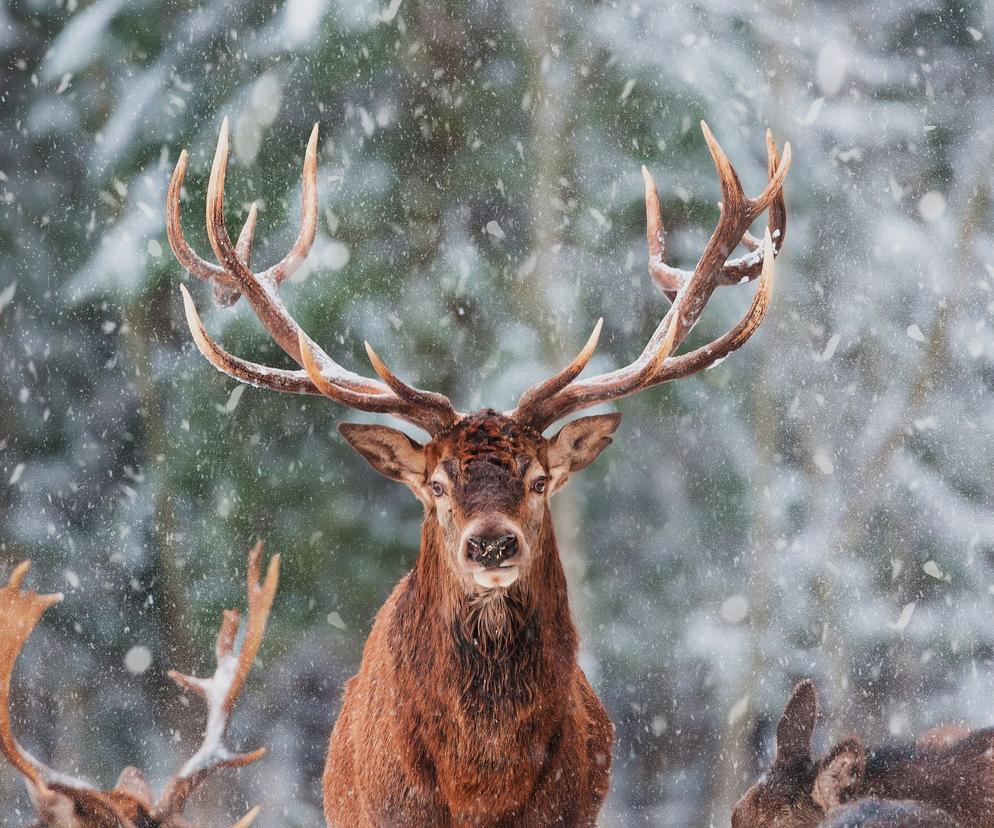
818,505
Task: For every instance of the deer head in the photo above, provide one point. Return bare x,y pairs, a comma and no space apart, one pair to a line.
946,775
487,476
65,802
797,791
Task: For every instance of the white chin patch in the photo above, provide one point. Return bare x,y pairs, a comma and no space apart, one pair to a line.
501,578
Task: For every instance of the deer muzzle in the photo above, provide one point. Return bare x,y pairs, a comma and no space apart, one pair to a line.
491,552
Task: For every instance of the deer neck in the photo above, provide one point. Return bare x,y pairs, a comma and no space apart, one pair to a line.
494,652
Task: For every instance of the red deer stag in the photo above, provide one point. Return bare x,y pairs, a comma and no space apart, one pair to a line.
950,770
469,707
64,802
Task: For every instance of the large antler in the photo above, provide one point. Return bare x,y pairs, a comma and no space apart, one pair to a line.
320,373
64,802
563,394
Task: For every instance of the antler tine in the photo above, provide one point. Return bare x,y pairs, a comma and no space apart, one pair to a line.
656,364
261,593
555,384
321,374
415,396
262,376
221,691
736,271
19,615
777,169
190,261
432,412
226,297
668,279
309,215
243,247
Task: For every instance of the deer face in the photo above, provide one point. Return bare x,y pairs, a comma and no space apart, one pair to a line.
797,791
486,481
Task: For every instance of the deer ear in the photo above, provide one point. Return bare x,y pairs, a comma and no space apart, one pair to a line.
577,445
797,724
390,452
841,774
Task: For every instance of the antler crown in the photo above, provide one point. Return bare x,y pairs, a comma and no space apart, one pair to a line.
547,401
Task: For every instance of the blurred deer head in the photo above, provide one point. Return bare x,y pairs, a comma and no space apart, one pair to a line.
785,797
948,774
65,802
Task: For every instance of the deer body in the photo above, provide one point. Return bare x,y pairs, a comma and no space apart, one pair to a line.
469,704
470,715
956,778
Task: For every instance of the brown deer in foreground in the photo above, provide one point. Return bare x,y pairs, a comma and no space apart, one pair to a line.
469,707
948,774
64,802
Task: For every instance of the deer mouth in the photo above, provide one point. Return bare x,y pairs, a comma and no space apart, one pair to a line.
496,577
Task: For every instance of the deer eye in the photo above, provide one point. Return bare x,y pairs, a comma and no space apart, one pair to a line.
539,485
437,488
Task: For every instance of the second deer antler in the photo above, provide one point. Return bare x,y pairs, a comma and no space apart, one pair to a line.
65,802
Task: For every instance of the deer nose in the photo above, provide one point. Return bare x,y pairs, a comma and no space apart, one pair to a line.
492,551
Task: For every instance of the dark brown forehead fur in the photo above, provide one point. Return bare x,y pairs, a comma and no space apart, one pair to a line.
487,436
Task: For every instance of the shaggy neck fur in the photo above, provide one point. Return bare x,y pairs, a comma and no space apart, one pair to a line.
497,648
470,709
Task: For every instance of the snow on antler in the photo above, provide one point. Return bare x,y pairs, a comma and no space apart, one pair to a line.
221,691
64,802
